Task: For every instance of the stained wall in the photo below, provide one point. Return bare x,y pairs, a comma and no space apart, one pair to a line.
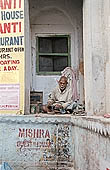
96,56
49,142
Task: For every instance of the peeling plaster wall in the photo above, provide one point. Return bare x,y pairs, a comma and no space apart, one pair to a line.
107,70
36,143
56,17
96,55
61,142
92,143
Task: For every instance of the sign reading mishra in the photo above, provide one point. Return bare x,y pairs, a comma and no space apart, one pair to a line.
11,27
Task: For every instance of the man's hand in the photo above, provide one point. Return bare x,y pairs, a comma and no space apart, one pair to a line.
58,106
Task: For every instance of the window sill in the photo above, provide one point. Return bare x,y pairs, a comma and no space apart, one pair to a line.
48,73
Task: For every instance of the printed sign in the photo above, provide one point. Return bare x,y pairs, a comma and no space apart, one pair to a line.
43,144
9,97
12,56
33,138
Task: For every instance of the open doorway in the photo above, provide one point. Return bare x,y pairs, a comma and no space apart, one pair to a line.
56,42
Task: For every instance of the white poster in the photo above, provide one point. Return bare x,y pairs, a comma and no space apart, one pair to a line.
9,96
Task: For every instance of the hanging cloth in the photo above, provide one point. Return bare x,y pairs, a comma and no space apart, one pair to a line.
72,83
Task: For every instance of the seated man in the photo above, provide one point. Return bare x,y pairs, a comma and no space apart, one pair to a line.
60,99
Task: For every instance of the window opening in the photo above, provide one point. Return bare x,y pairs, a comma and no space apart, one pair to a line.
53,54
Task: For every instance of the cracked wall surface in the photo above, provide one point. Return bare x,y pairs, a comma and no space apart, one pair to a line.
55,142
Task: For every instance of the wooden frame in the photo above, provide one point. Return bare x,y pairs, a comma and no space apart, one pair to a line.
52,54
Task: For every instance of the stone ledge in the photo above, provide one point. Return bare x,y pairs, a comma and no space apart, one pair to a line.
97,124
40,119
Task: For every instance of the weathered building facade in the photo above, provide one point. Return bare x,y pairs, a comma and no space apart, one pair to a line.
55,142
62,141
87,24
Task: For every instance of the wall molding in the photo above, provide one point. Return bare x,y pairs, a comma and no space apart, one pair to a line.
97,124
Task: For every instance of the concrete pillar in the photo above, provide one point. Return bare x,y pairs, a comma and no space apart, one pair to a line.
27,58
107,79
95,54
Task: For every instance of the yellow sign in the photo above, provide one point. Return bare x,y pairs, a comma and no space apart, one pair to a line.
12,56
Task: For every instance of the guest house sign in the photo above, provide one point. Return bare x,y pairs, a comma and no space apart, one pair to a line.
11,56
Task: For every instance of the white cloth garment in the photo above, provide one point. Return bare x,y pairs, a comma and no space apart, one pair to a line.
69,95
